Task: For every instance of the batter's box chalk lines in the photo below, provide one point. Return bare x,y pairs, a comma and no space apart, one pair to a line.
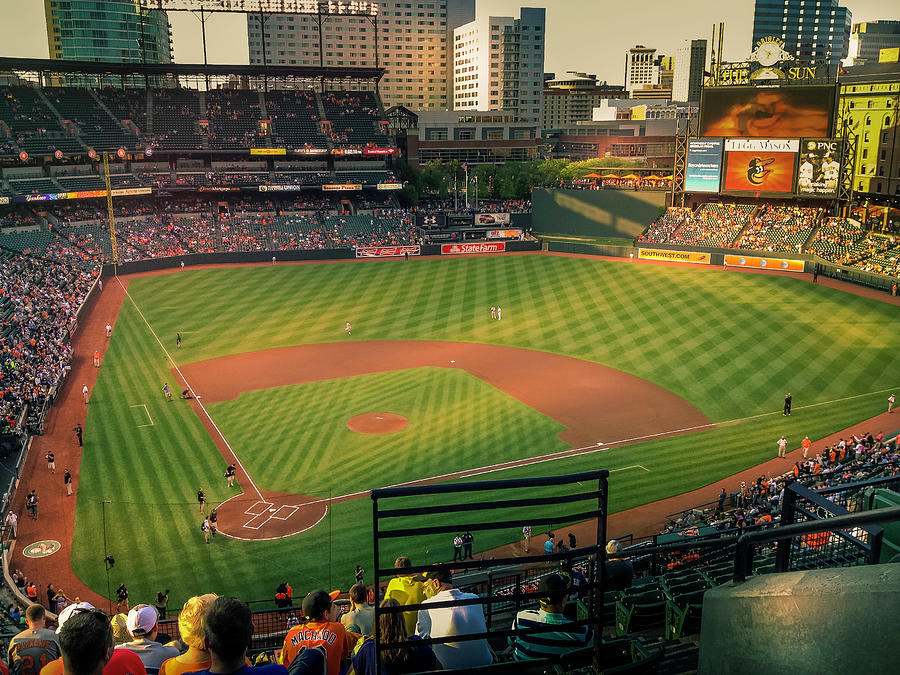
144,406
284,512
258,508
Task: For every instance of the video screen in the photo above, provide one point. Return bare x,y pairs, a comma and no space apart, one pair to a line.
760,165
819,168
704,165
750,112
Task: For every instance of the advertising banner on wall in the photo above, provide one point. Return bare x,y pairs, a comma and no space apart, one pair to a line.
342,186
386,251
492,219
760,165
819,168
488,247
503,234
703,172
674,256
756,112
778,264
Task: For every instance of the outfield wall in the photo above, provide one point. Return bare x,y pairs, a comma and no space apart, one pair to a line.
280,256
717,257
595,213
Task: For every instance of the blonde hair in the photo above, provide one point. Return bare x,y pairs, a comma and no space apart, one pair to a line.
190,621
120,631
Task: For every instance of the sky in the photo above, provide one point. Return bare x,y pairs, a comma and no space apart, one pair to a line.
582,35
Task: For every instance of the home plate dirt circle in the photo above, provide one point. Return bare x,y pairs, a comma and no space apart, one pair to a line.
377,423
269,515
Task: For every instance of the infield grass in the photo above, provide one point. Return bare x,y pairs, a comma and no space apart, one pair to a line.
731,344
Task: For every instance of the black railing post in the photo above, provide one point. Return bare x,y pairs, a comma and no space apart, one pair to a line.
783,548
490,594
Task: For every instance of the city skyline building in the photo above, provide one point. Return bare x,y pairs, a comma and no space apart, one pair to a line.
112,31
571,98
641,68
414,46
690,63
869,38
812,30
498,64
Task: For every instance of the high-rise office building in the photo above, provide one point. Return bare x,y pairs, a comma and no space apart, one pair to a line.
812,30
414,46
498,64
114,31
572,97
641,68
690,62
868,39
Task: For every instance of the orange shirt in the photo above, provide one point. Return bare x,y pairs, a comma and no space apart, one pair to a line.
332,635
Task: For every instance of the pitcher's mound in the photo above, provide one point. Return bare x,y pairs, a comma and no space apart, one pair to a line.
377,423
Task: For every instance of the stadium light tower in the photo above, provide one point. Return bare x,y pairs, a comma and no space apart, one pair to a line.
319,8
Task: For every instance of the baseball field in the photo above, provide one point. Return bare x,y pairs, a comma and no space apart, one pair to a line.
672,375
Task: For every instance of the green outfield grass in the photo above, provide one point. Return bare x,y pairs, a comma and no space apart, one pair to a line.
732,344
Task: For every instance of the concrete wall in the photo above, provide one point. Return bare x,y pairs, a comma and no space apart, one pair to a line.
843,620
595,213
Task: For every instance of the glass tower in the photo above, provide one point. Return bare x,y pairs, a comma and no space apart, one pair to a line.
812,30
111,31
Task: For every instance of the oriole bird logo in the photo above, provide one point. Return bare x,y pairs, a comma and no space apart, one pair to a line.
757,171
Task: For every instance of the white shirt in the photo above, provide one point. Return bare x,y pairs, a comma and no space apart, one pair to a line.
448,621
84,389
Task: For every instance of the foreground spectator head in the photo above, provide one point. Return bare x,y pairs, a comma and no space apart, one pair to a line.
35,616
359,594
228,627
142,621
69,612
554,591
86,640
319,605
120,628
191,620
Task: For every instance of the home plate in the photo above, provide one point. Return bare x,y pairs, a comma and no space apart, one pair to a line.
453,362
273,510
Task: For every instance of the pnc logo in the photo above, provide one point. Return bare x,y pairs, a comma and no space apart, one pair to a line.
757,171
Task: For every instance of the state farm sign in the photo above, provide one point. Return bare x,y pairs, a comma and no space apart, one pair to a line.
482,247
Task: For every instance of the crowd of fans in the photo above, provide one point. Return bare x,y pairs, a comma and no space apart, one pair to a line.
851,459
779,228
38,302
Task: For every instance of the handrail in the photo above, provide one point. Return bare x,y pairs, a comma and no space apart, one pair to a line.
743,554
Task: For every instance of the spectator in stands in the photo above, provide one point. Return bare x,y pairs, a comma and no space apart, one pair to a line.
554,594
321,630
228,628
80,625
411,658
143,626
361,617
442,622
190,627
33,647
87,643
407,589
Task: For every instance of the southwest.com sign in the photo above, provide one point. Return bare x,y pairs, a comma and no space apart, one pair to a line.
674,256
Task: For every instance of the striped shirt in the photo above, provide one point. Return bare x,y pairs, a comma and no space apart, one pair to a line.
542,645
